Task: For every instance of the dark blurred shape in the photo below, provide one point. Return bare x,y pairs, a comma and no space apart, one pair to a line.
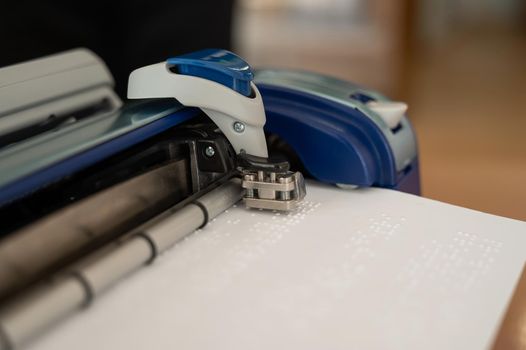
126,35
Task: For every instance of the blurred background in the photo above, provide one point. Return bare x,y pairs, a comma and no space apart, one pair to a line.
460,64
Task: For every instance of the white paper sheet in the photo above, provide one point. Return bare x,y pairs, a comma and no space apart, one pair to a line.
363,269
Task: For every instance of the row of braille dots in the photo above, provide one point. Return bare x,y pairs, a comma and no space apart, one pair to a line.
289,218
362,240
262,234
247,247
281,222
385,226
480,254
359,251
296,216
244,245
457,264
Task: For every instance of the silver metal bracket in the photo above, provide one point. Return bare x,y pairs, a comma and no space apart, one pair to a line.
271,190
269,184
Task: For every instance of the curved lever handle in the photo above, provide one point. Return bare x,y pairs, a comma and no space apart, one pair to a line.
216,81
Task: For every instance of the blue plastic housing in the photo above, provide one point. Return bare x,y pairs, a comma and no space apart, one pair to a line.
221,66
336,143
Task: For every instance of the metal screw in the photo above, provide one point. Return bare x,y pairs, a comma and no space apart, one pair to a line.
239,127
210,151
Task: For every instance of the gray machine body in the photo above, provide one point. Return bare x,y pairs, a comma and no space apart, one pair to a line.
32,91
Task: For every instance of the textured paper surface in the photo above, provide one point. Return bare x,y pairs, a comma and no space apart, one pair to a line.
362,269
